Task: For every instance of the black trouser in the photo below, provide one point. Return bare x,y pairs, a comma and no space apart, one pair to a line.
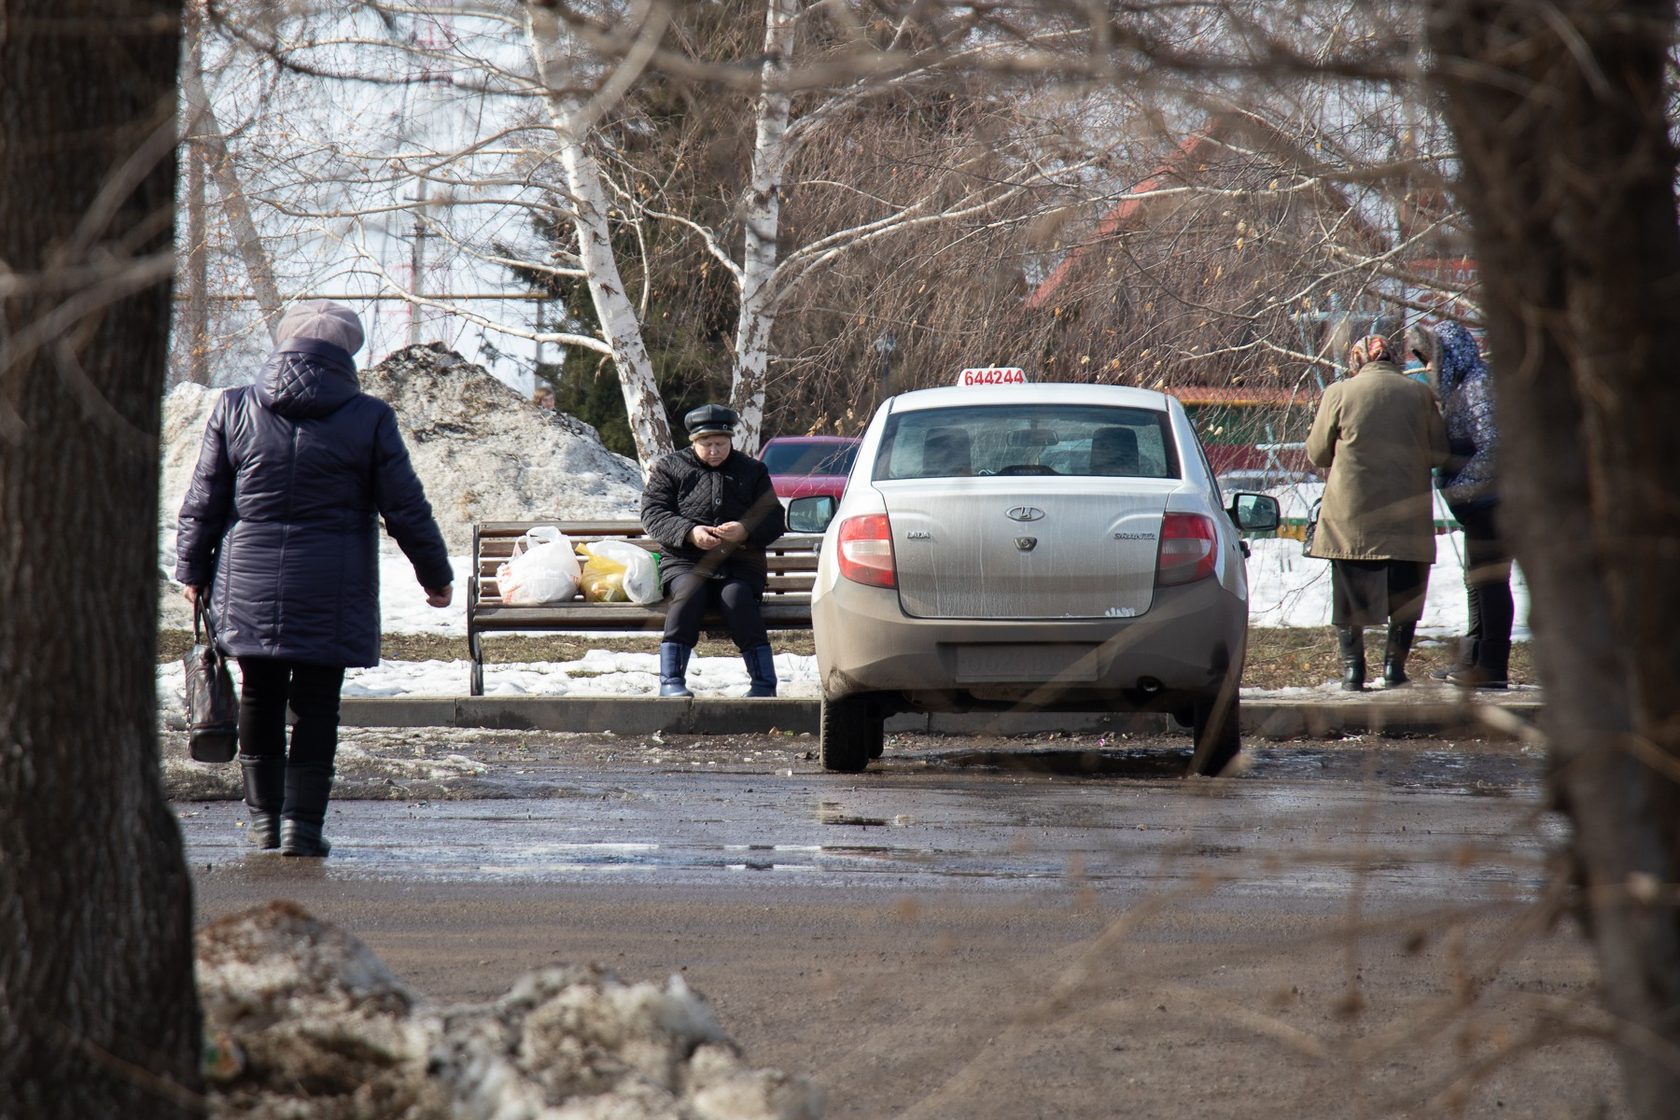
269,686
693,593
1487,577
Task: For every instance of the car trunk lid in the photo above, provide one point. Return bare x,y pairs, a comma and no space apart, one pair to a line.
967,549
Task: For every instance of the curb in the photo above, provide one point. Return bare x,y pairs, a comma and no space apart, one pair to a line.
1261,719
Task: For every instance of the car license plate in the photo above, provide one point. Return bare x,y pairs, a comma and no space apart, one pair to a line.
1030,663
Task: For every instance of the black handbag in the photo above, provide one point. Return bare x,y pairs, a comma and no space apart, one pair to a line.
1311,529
212,707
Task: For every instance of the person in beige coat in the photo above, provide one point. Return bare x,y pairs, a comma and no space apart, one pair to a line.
1379,434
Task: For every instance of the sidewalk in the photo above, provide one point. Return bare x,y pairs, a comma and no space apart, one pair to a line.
1416,710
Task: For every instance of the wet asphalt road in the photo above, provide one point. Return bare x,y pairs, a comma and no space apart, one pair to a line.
987,929
1411,818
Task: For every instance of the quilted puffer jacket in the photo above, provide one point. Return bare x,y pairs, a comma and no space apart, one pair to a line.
281,518
682,492
1468,480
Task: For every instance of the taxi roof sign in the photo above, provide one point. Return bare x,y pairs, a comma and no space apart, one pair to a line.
992,375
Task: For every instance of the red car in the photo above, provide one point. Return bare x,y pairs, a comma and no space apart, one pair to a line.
808,466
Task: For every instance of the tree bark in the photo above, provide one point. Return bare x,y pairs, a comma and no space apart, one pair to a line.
613,308
1568,176
196,317
763,228
98,1014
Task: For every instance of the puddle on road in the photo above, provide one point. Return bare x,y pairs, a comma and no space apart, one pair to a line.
1086,762
1295,823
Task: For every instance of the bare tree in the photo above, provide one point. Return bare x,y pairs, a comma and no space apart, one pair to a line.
567,166
1561,117
98,1014
1561,111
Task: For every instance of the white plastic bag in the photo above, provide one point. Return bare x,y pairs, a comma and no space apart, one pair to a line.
544,569
641,574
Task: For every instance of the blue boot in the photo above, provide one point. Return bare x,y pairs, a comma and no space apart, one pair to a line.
673,669
761,667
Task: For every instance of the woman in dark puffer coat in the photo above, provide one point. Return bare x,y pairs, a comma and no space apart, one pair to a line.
278,536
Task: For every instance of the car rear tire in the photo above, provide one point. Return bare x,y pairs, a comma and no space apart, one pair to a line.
849,734
1216,731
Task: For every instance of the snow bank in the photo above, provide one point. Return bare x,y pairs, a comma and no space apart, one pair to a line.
484,453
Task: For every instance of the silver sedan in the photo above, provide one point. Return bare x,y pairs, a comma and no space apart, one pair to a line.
1030,547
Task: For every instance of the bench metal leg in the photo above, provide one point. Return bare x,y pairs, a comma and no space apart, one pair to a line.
475,672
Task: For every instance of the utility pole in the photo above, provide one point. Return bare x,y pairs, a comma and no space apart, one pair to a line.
417,266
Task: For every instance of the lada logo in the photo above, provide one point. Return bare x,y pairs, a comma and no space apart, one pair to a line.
1026,544
1025,513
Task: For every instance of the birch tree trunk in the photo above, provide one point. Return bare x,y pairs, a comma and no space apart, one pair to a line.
98,1013
613,307
1568,173
763,228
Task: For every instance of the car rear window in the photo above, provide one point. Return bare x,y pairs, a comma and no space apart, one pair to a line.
810,458
1045,439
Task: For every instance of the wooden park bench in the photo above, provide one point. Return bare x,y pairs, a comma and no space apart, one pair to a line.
787,597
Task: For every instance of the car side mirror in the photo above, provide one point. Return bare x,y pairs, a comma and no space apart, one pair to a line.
812,515
1255,513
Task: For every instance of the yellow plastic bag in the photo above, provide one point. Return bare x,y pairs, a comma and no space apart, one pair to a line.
603,580
619,572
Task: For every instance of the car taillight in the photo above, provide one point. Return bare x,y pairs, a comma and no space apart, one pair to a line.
866,552
1188,549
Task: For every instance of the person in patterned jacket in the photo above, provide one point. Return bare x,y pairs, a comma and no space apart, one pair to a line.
1469,484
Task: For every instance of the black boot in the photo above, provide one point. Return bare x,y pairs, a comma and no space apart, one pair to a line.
265,795
761,667
673,669
307,791
1400,636
1489,667
1351,641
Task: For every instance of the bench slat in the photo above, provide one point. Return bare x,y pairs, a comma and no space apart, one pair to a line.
791,563
778,587
799,566
788,614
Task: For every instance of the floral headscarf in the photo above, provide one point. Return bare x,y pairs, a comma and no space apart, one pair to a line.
1371,348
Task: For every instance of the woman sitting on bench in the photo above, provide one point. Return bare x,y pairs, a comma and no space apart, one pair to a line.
713,512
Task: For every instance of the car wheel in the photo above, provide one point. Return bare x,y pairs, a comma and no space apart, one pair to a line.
1216,731
849,734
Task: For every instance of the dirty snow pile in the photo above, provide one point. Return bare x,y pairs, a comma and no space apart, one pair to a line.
301,1019
483,452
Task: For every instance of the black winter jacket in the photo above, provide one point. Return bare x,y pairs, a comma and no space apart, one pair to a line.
282,516
682,492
